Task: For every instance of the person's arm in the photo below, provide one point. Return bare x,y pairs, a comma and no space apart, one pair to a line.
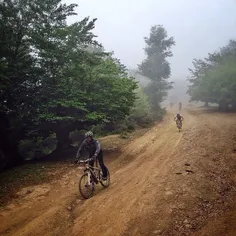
98,148
175,118
80,149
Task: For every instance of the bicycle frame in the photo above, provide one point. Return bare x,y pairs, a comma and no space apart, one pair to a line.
93,176
178,122
91,172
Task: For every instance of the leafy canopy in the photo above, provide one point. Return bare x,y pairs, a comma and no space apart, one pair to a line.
156,67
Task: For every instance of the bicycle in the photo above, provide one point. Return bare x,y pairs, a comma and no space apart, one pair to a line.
92,175
180,106
179,124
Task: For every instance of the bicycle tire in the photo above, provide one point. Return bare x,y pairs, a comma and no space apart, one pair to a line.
179,125
106,183
81,185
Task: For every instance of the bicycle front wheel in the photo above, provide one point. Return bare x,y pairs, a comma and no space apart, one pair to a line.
106,183
86,186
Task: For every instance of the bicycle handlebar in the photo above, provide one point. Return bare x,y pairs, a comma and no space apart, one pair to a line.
84,161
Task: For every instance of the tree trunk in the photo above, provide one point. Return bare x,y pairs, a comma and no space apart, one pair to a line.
11,154
234,106
223,106
8,145
64,149
62,130
63,141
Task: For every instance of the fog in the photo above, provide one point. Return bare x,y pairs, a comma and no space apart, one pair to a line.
198,27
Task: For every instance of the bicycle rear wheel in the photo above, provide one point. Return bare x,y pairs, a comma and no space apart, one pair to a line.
105,183
179,125
86,189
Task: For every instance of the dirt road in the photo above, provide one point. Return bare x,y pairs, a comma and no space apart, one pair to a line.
163,183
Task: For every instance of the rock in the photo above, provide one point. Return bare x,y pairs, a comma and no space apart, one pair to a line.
11,206
189,171
185,221
69,208
77,201
157,232
29,191
24,192
169,193
188,226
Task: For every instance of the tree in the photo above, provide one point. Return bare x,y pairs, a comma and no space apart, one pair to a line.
213,79
140,113
62,86
156,67
94,92
200,67
55,77
16,66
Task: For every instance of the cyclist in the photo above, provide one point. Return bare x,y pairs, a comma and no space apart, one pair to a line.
180,106
95,151
178,118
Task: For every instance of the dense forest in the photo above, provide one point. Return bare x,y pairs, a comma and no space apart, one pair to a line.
213,79
56,79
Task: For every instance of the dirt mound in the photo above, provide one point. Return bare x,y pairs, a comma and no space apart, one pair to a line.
34,192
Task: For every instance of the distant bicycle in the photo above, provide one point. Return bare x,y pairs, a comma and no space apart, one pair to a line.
91,176
178,119
180,106
179,124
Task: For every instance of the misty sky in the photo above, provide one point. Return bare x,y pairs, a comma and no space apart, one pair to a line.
198,27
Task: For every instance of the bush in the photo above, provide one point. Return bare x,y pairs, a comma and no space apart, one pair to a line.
140,116
140,113
35,148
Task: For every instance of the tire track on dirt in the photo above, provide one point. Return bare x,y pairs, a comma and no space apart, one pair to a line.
139,201
133,189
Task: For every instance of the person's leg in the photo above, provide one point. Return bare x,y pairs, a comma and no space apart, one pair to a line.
91,163
101,163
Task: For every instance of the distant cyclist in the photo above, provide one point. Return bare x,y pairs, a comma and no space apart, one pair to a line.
180,106
95,151
178,119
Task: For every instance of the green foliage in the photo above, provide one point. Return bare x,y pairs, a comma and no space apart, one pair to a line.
214,79
139,116
98,94
141,112
56,77
156,67
34,148
141,106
